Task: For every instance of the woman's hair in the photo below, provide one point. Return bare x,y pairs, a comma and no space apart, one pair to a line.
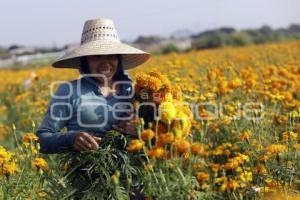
120,74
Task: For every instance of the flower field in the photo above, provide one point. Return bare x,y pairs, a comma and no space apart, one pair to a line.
228,128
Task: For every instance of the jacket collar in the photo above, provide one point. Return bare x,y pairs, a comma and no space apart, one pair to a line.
125,89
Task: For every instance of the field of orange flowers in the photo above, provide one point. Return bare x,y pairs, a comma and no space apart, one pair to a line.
229,126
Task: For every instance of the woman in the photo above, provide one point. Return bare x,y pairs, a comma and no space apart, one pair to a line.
97,102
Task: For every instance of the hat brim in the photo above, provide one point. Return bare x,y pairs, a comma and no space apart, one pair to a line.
131,56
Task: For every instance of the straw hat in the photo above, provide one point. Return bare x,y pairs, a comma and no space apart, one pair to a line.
99,37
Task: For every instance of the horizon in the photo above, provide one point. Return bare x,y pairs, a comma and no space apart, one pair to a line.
166,36
44,26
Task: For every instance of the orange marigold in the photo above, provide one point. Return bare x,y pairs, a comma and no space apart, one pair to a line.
147,134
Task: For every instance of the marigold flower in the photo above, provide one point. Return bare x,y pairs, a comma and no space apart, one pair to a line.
246,176
167,112
182,146
215,167
289,135
147,134
246,135
260,170
176,93
235,83
10,168
182,122
275,148
232,185
29,137
197,149
39,163
135,145
149,82
178,133
202,177
5,156
297,146
166,138
156,153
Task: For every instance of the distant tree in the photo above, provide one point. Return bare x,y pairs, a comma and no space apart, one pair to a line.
226,30
265,30
217,39
148,40
294,28
14,46
170,48
240,39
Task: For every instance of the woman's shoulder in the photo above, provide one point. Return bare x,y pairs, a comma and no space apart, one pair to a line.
66,89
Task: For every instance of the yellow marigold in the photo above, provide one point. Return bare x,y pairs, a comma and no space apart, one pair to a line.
222,87
235,162
215,167
242,158
183,108
168,97
182,122
220,179
135,145
246,135
178,133
250,82
235,83
232,185
297,146
246,176
39,163
29,137
275,148
226,184
5,156
147,134
260,170
176,93
289,135
156,153
225,120
167,112
10,168
202,177
227,152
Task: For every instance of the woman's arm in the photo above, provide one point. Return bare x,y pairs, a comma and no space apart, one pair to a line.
59,111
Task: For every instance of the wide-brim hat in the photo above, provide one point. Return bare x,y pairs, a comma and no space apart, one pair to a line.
99,37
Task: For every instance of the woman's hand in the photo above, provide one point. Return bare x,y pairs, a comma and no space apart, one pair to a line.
84,142
127,127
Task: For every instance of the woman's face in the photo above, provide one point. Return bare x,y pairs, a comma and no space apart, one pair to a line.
103,64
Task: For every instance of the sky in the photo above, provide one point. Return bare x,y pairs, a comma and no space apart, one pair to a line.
60,22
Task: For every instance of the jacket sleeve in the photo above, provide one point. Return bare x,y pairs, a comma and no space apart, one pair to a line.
59,112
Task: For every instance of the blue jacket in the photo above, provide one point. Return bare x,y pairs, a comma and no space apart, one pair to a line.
79,106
